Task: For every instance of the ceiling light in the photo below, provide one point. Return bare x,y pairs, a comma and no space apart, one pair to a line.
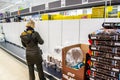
18,2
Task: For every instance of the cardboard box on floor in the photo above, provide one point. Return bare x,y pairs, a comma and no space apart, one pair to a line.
73,72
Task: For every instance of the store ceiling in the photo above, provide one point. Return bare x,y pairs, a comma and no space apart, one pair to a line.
3,3
8,4
12,5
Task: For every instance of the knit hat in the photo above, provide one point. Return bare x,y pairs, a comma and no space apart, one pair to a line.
31,23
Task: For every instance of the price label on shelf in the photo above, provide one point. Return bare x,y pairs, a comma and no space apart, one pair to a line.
93,59
118,8
93,37
117,70
62,3
116,57
93,48
84,1
109,8
46,6
93,69
117,44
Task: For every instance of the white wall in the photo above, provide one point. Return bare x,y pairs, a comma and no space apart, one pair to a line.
7,28
88,26
42,29
55,37
13,30
70,32
21,28
57,33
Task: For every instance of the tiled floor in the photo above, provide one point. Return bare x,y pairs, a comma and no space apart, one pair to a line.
19,53
12,69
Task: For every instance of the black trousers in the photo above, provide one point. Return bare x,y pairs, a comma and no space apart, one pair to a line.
32,74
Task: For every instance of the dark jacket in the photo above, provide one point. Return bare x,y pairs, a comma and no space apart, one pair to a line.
33,52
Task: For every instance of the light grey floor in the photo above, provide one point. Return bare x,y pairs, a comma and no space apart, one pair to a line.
12,69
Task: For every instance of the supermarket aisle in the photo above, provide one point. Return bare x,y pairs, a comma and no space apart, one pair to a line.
11,68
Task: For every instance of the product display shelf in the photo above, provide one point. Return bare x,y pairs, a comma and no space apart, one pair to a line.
105,54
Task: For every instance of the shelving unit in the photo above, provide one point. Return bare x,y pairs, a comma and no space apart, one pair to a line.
68,6
105,57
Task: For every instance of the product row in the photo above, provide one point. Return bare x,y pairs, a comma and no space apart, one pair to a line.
104,37
107,49
53,63
106,43
99,75
107,62
105,55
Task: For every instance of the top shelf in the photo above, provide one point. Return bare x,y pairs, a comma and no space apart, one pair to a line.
68,5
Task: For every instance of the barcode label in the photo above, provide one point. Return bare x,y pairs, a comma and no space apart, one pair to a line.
116,57
91,79
115,69
93,37
93,48
93,69
93,59
117,44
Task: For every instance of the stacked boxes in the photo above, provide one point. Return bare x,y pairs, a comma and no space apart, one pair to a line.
57,17
53,63
105,57
63,17
85,16
46,17
68,17
118,14
112,12
98,12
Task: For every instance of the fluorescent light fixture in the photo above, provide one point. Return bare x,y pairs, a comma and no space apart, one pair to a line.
11,5
7,7
18,2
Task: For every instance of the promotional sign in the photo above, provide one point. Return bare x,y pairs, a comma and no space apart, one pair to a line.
73,64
